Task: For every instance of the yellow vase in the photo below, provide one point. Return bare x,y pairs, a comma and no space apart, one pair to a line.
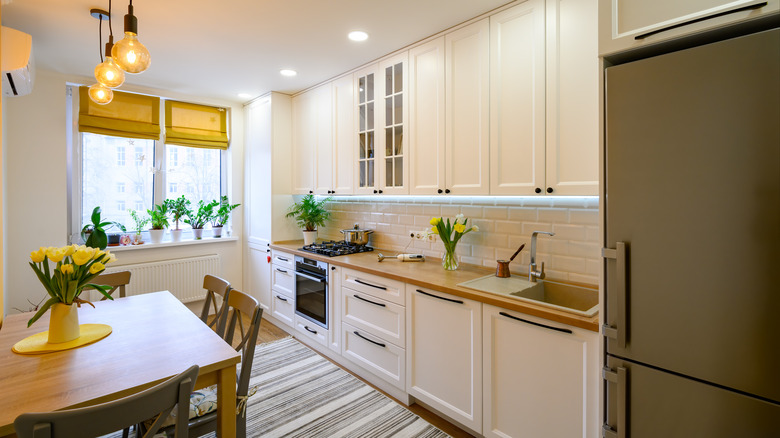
64,323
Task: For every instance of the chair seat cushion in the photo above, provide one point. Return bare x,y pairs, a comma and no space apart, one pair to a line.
203,401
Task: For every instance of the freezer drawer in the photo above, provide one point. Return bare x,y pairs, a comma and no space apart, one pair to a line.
646,402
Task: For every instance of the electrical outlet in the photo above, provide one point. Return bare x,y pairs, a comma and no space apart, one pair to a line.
423,235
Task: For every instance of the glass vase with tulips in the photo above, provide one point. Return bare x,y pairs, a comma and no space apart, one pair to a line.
450,233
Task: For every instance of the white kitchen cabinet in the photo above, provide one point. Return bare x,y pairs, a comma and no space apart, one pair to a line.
374,315
630,24
259,274
334,312
312,141
540,377
374,285
444,354
311,331
343,136
365,180
282,299
381,358
544,99
283,308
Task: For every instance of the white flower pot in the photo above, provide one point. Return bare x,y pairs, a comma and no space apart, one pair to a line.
309,237
176,235
156,236
197,233
217,231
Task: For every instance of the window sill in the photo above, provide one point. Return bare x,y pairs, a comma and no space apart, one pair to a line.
168,243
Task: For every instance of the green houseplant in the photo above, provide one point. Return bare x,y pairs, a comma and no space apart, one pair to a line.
178,209
222,215
309,214
94,234
158,218
199,217
140,223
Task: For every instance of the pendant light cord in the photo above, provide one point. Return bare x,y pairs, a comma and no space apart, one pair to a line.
100,38
110,28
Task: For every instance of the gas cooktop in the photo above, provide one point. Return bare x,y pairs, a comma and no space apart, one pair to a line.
333,248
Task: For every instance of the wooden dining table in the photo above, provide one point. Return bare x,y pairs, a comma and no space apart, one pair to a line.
154,336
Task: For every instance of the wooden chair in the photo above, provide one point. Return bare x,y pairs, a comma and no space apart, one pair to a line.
240,306
215,286
117,280
156,402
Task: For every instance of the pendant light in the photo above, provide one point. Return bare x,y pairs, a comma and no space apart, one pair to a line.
100,94
129,53
107,73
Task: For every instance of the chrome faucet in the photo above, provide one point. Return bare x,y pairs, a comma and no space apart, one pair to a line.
533,274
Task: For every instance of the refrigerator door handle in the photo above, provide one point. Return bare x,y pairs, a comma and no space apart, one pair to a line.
619,377
618,331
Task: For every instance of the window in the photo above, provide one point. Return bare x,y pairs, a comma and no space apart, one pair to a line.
103,174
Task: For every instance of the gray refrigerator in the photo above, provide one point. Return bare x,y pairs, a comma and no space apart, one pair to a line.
692,242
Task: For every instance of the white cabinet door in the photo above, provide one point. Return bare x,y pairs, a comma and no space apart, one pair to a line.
378,317
393,124
304,135
283,307
426,118
259,273
467,162
382,358
572,98
540,377
366,131
323,153
444,354
629,24
343,135
517,93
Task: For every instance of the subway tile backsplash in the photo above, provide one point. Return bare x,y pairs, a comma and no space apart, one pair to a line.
504,224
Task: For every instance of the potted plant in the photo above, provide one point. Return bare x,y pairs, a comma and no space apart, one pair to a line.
222,215
309,214
198,218
158,218
94,234
178,208
140,223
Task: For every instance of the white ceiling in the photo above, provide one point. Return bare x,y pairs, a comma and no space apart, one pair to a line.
218,49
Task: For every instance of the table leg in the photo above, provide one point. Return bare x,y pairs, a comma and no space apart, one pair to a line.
226,402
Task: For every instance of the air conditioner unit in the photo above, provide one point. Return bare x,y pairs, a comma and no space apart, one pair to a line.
18,69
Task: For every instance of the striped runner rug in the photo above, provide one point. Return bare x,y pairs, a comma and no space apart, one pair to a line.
302,394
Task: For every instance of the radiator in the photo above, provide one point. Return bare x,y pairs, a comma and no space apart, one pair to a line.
182,277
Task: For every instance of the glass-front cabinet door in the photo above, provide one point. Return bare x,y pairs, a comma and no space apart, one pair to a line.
365,181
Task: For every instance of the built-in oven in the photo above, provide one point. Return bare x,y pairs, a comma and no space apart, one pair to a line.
311,290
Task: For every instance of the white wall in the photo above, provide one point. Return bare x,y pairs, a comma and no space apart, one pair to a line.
35,187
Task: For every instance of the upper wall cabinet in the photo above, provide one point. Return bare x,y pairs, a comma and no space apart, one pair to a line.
343,136
544,99
629,24
312,141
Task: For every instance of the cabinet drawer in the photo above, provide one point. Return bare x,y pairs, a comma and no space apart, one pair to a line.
282,279
311,330
282,307
374,354
374,315
283,259
374,285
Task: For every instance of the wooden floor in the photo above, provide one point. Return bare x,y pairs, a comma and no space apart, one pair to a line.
269,332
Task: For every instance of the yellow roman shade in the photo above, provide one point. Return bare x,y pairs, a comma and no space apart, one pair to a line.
189,124
127,115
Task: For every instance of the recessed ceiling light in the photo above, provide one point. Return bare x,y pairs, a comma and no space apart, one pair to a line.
287,72
358,35
244,95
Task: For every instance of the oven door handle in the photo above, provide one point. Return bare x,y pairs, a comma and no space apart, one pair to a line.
310,277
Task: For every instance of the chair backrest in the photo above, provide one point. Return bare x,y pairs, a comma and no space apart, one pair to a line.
117,280
243,308
215,286
156,402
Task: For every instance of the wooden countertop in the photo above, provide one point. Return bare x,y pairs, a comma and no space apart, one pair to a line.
429,274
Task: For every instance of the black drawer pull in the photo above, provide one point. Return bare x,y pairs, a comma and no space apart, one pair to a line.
368,301
357,280
283,259
281,298
696,20
281,270
558,329
310,330
369,340
441,298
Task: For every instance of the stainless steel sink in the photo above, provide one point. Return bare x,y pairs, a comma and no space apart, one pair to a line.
579,300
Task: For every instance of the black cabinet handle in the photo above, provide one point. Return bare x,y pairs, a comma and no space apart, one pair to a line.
439,191
696,20
446,190
538,190
281,270
558,329
549,189
380,191
310,330
332,268
333,191
369,340
441,298
357,280
311,192
375,191
282,298
283,259
369,301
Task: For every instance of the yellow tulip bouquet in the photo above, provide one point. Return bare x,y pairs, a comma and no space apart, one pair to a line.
75,267
450,233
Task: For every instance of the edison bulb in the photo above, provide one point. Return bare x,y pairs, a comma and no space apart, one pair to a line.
100,94
109,74
130,55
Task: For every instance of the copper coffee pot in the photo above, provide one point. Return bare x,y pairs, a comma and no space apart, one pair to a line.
502,269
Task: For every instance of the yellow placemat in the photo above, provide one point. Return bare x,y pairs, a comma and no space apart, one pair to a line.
38,343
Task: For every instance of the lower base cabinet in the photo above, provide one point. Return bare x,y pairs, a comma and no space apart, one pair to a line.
444,346
283,307
375,354
540,377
